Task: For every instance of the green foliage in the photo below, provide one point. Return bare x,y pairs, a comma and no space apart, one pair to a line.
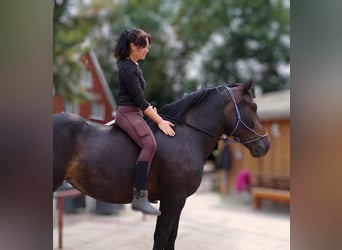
194,43
68,33
248,44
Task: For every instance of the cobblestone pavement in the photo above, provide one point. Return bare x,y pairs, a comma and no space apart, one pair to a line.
208,221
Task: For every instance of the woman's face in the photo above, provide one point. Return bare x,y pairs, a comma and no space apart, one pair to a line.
138,53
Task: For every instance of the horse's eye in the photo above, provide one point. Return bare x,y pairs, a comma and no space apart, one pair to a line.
254,107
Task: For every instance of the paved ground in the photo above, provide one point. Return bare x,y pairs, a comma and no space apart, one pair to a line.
209,221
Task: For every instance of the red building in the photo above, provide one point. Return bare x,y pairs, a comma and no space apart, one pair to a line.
104,106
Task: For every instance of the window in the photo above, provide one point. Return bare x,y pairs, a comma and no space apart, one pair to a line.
85,79
71,107
97,111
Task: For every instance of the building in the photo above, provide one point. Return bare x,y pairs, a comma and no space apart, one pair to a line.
104,106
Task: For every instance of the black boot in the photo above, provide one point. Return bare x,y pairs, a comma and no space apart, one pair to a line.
140,194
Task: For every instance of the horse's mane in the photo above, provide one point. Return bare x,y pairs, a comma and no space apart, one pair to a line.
175,111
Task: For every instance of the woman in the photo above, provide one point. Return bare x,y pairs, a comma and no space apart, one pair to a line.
131,47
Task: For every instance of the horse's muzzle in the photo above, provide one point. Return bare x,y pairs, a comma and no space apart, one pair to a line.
261,149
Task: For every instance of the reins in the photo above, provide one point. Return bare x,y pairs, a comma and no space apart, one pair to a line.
206,132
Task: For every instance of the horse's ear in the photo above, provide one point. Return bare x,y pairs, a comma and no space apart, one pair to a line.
248,87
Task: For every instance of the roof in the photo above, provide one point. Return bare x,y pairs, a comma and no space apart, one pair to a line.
274,105
102,79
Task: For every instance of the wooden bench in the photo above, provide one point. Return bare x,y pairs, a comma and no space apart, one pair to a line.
260,193
277,181
60,195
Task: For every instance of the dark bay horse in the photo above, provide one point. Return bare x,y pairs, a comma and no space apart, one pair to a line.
99,160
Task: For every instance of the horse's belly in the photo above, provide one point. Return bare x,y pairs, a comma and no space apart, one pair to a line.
103,192
101,187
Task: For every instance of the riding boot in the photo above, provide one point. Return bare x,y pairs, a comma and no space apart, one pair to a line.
140,203
140,194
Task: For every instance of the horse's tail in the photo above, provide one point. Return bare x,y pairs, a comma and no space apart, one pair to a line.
66,128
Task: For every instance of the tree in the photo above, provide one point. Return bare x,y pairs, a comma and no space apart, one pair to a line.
235,40
194,43
75,30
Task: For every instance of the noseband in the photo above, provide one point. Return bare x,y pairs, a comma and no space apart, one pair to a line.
238,122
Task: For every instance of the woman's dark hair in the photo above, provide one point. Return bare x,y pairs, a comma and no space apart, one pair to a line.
135,36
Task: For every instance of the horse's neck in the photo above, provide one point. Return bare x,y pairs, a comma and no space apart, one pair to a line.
207,118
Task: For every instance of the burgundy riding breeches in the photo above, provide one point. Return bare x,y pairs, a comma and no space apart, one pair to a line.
131,120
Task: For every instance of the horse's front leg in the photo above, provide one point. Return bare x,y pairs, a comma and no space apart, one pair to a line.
170,245
167,224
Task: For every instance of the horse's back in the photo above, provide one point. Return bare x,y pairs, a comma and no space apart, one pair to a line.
71,132
66,126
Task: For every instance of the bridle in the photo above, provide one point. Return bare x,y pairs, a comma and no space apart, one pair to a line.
238,122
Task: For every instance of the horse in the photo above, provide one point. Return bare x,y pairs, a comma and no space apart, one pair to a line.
99,160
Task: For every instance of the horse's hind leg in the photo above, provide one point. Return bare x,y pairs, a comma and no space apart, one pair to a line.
63,146
167,224
60,163
58,176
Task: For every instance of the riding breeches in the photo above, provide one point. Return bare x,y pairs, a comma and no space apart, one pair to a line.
131,120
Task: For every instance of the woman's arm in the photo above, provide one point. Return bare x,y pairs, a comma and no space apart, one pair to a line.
163,125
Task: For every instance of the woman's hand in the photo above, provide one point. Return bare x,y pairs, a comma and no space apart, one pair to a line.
166,127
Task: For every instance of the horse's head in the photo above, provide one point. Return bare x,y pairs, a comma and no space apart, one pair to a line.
247,127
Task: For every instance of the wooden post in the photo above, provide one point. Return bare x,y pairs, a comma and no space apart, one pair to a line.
60,221
60,195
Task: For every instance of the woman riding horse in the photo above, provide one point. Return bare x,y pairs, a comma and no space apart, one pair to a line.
131,47
100,160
